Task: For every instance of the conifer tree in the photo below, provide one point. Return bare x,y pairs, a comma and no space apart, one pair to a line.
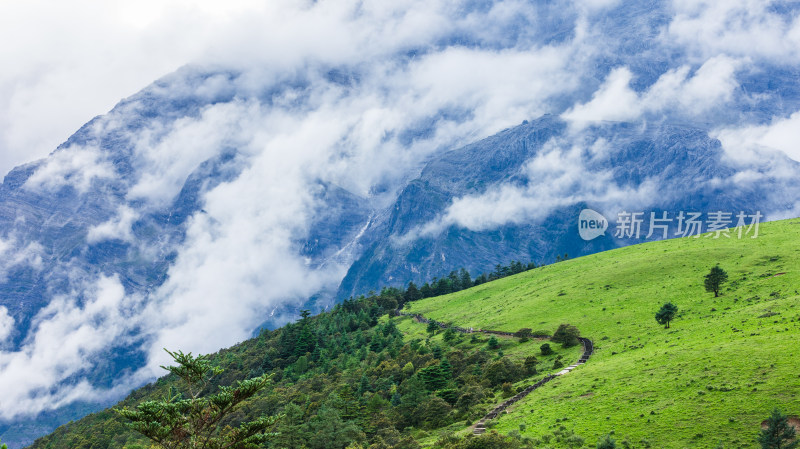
714,279
191,421
666,314
466,279
779,434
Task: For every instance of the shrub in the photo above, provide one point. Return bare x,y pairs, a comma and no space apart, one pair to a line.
500,371
546,349
607,443
530,365
567,335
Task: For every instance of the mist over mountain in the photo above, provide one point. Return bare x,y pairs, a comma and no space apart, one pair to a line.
362,145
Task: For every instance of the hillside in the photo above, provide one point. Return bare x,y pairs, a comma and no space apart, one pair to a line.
713,376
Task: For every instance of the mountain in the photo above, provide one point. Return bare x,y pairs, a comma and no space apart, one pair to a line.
227,196
686,165
710,378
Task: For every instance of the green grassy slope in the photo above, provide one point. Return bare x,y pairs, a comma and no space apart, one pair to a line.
713,376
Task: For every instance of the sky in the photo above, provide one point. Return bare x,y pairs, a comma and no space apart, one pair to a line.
458,71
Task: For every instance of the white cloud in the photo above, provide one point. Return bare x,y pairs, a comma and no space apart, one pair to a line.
66,62
615,100
739,28
6,324
118,227
559,175
751,144
77,167
14,254
710,86
66,337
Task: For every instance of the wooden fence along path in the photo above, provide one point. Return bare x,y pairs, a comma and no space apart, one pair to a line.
480,426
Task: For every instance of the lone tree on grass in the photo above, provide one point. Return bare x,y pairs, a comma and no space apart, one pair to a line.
779,434
666,314
191,421
567,335
714,279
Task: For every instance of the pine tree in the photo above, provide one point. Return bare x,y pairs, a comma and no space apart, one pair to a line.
432,327
466,279
714,279
305,339
779,434
412,293
192,422
455,281
666,314
426,290
433,377
447,369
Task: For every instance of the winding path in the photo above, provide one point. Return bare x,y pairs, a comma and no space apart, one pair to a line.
480,426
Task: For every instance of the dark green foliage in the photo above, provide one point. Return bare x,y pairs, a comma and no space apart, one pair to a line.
358,386
432,327
666,314
524,334
493,343
567,335
501,371
177,422
412,293
530,365
433,377
546,349
434,412
607,443
461,280
714,280
465,278
779,434
327,430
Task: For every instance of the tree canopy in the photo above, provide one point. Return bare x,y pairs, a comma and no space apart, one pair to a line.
714,280
666,314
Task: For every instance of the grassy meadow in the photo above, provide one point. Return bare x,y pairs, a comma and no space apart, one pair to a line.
712,377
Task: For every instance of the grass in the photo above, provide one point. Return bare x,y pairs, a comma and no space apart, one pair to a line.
719,370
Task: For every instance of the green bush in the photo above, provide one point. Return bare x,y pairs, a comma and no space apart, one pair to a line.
567,335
